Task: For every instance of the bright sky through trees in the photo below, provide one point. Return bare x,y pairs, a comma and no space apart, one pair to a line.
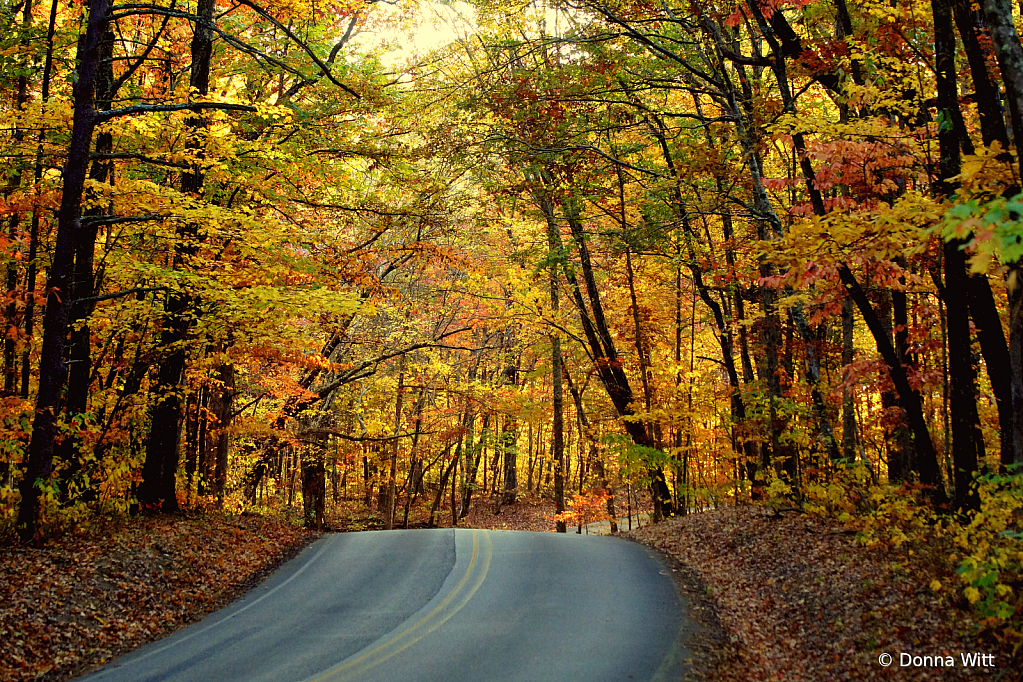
432,25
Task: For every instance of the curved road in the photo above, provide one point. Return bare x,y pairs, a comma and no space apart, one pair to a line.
438,606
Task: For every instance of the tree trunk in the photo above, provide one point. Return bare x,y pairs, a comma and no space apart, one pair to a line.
314,485
10,330
594,455
392,492
445,473
83,284
39,466
223,410
967,444
909,398
33,240
1010,61
558,397
157,491
509,445
848,402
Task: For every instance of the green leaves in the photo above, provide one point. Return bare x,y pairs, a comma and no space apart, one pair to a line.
992,230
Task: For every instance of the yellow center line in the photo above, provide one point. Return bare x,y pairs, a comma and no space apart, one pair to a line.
479,562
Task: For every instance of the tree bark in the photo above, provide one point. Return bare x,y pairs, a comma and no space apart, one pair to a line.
848,402
558,397
33,242
157,492
52,368
83,286
967,443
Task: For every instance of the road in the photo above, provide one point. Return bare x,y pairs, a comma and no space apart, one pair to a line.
438,606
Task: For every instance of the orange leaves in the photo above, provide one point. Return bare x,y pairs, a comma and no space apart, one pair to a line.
83,600
800,601
589,506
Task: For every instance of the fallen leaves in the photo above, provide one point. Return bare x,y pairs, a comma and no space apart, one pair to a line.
799,600
84,600
780,598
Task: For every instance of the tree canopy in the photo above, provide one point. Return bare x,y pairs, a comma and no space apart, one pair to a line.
717,252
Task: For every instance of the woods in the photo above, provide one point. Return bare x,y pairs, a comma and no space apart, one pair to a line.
765,251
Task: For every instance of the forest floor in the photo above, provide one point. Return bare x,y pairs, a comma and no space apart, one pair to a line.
108,589
779,597
798,599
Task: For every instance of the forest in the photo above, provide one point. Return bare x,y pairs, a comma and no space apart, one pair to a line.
613,254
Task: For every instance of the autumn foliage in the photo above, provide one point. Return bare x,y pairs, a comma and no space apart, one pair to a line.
717,253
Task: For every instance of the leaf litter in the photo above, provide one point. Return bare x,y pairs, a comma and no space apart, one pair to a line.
799,600
86,599
776,596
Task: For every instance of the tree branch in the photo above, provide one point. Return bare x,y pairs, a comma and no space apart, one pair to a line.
357,372
138,157
359,439
145,54
185,106
118,219
589,148
118,294
325,68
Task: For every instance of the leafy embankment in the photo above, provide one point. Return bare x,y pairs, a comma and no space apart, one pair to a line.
782,597
84,600
799,599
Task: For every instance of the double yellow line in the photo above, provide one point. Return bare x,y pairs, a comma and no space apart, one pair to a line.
456,599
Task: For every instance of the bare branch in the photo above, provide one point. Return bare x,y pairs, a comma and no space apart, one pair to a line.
358,372
589,148
145,54
138,9
325,68
359,439
186,106
118,219
119,294
138,157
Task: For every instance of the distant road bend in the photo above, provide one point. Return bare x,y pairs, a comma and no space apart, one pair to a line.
438,606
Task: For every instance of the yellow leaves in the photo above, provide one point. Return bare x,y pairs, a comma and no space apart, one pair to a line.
973,594
985,173
880,232
935,585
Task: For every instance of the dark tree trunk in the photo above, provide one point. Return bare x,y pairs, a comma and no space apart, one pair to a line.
10,330
1010,60
898,438
392,483
594,454
473,457
83,284
967,443
848,402
558,396
314,486
442,486
909,398
223,410
509,440
1014,285
52,368
158,489
606,358
981,300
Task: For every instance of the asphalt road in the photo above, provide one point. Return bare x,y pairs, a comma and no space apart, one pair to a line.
438,606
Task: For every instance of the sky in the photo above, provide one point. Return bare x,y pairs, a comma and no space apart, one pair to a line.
434,25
